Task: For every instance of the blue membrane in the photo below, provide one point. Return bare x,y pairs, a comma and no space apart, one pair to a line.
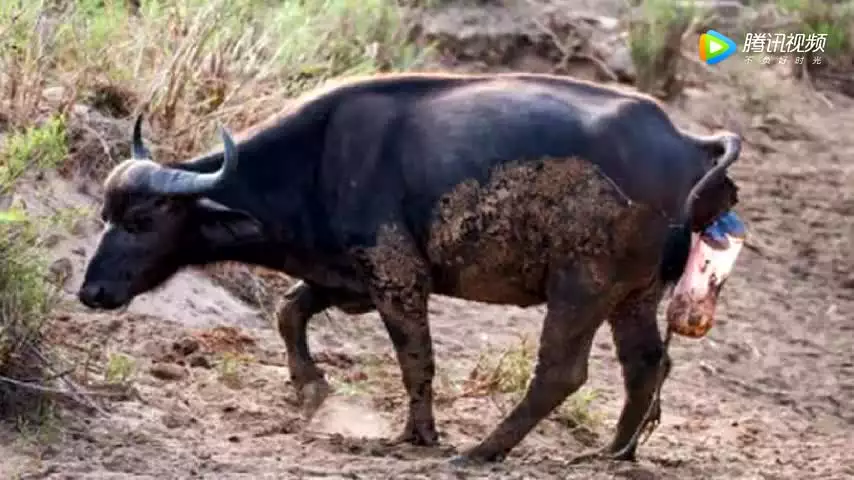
726,225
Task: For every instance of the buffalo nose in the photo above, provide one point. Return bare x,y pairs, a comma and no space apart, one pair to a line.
92,295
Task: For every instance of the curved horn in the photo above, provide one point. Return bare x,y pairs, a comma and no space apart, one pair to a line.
137,149
173,181
732,148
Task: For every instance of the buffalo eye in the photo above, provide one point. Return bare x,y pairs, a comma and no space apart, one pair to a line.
160,203
139,224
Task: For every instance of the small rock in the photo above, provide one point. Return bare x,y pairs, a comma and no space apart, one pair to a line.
51,240
114,325
636,473
60,271
186,346
167,371
234,439
177,420
200,361
619,60
154,349
78,228
80,109
357,376
601,22
54,95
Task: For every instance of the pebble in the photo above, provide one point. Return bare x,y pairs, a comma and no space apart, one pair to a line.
167,371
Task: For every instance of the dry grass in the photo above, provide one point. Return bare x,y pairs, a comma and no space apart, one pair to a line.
655,41
833,19
508,372
229,367
189,62
120,369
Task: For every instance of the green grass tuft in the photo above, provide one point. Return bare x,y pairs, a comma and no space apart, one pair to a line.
509,372
655,43
836,20
43,147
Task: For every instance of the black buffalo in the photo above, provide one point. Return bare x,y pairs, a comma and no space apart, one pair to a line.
513,189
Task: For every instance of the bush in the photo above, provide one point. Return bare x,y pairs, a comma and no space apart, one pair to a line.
826,18
43,146
655,43
25,294
189,62
25,301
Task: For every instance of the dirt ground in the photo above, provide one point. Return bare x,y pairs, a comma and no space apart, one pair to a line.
767,395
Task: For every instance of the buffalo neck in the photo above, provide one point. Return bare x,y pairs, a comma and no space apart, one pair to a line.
274,183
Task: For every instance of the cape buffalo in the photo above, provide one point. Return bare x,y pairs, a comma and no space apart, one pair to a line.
514,189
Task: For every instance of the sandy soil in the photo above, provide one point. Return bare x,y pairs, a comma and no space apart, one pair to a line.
767,395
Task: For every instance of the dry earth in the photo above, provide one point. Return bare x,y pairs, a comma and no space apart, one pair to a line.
767,395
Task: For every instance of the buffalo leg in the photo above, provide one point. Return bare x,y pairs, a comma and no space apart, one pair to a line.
574,315
301,302
640,350
398,280
410,335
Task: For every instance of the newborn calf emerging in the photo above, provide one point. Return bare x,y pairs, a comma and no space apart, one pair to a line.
512,189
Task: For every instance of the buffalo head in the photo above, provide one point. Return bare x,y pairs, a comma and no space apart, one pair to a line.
157,220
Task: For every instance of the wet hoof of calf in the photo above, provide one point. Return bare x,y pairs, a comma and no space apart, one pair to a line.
312,395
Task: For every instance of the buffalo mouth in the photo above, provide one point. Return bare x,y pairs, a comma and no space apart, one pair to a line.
98,298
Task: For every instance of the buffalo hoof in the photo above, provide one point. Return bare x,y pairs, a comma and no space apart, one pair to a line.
424,436
598,454
419,440
623,455
473,458
627,452
607,453
312,395
463,461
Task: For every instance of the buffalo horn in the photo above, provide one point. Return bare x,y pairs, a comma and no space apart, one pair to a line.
172,181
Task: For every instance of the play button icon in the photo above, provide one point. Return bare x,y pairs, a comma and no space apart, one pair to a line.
715,47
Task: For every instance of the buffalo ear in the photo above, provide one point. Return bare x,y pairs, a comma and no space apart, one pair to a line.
222,225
